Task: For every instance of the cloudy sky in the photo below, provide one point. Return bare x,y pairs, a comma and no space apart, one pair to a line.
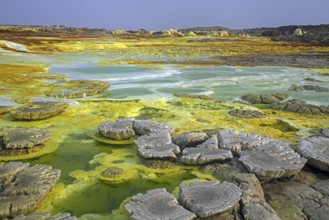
164,14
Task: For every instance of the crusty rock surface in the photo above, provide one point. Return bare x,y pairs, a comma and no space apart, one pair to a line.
316,150
264,99
273,160
144,127
38,110
206,199
254,205
199,156
299,106
311,201
23,187
204,153
211,143
153,140
118,130
157,145
235,141
25,138
164,151
157,204
190,139
246,113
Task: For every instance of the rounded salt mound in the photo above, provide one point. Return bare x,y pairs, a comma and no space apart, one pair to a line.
157,204
38,110
316,150
206,199
273,160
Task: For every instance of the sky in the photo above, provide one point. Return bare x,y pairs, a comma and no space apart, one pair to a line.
164,14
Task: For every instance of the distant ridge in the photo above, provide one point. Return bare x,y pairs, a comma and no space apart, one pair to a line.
208,29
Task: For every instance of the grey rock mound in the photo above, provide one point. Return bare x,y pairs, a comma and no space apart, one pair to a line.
211,143
264,99
25,138
118,130
153,140
164,151
38,110
46,216
199,156
190,139
273,160
299,106
235,141
316,150
206,152
246,113
144,127
157,145
24,187
206,199
157,204
254,205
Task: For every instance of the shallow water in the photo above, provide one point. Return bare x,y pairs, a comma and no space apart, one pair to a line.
224,83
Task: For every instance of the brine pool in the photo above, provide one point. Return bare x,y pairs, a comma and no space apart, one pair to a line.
225,83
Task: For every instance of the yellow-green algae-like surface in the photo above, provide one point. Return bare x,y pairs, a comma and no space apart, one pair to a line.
82,190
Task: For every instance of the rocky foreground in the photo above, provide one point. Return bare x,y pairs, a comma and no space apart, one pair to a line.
264,158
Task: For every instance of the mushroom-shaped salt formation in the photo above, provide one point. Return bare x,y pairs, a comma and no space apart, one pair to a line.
23,141
206,199
24,187
235,142
118,130
190,139
157,204
144,127
273,160
316,150
206,152
37,110
157,145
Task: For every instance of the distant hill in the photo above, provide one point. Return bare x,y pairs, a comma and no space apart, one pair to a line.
208,29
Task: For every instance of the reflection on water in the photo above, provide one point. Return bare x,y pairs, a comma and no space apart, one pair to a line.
73,154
